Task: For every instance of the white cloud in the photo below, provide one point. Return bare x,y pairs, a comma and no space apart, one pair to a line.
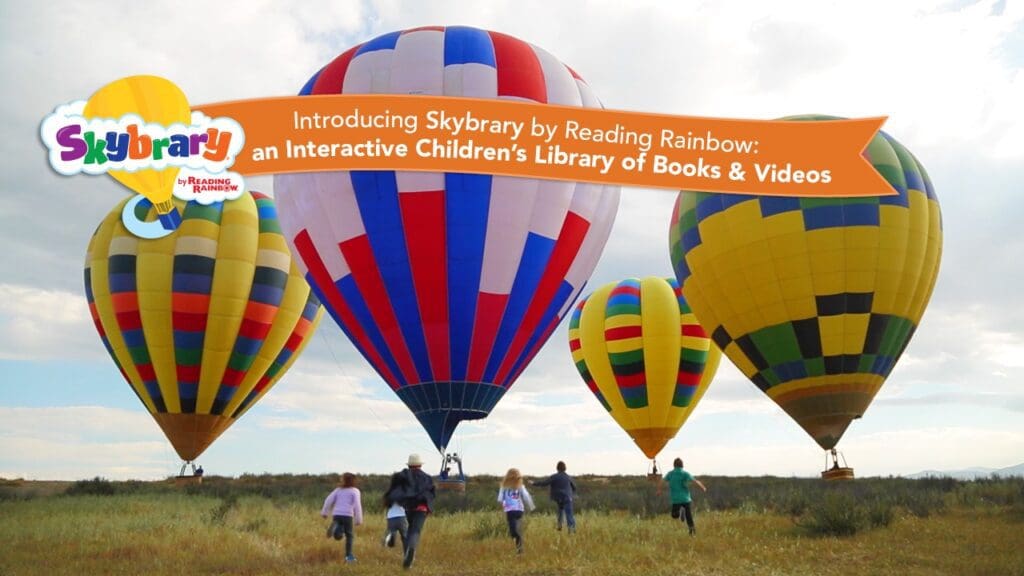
74,442
943,448
321,396
39,324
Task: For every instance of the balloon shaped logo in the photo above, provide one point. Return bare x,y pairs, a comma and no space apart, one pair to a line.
813,299
204,322
155,100
448,284
640,350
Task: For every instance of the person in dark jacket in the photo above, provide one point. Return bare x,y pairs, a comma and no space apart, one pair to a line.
563,490
416,494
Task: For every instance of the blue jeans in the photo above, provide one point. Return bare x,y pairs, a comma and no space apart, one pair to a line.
343,527
515,527
398,526
565,509
416,521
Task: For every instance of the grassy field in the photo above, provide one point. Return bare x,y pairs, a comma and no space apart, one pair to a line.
243,526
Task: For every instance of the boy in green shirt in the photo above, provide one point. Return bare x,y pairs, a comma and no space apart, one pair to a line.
679,492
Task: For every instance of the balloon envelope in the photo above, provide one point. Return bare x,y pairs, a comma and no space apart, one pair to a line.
642,353
813,299
448,284
204,321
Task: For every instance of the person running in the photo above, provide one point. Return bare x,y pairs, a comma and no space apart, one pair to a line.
679,493
415,493
397,522
344,504
515,500
563,490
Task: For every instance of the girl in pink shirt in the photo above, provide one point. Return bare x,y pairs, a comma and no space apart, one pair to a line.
345,506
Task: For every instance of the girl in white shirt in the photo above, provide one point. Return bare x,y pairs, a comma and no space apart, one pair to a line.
397,522
515,500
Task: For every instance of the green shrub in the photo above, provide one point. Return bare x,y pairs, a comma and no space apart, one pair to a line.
880,513
14,493
923,504
837,514
95,487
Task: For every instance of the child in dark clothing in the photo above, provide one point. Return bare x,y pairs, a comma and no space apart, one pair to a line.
563,489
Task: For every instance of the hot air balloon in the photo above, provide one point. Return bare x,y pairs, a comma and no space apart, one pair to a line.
448,284
813,299
203,322
640,350
155,100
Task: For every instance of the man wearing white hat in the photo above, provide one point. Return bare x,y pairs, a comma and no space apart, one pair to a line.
416,496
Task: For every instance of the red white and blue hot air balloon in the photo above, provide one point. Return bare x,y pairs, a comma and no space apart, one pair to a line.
448,284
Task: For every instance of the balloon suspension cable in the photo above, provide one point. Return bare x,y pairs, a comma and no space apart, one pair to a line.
345,376
444,427
834,456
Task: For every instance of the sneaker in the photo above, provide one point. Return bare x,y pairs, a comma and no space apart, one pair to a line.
330,530
388,540
558,527
519,546
693,531
349,559
410,555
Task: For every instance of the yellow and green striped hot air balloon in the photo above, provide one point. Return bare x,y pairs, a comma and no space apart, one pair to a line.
642,353
813,299
204,321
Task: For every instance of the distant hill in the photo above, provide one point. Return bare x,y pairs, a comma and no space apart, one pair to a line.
972,473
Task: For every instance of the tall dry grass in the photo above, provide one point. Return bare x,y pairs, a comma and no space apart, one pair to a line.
169,532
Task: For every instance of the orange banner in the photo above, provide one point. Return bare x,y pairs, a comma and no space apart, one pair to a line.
511,138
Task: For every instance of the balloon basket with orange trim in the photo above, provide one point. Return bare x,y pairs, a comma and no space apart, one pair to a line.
187,480
841,473
451,485
835,471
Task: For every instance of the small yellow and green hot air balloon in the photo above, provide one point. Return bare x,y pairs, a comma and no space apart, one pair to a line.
642,353
813,299
204,321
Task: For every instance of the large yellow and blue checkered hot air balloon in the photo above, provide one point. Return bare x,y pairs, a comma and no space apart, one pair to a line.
642,353
203,322
813,299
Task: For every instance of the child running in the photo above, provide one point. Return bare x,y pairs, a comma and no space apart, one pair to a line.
345,505
397,522
679,493
515,500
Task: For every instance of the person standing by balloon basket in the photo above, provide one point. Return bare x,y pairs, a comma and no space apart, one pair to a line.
563,490
679,493
345,505
416,494
515,500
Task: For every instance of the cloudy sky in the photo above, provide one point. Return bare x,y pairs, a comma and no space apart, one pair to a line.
949,75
